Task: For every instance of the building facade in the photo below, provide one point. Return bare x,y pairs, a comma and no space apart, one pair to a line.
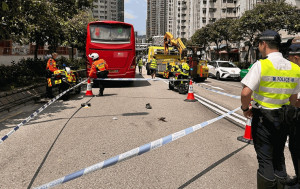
183,17
108,10
156,23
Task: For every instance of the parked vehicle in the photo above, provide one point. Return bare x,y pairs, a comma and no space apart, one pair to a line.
244,72
64,79
224,70
179,76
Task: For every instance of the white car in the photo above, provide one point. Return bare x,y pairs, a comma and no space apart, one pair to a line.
223,70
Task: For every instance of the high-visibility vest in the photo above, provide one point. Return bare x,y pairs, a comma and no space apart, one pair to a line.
100,65
153,64
140,62
276,86
51,65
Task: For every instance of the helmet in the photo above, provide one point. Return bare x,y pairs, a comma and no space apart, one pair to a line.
294,49
94,56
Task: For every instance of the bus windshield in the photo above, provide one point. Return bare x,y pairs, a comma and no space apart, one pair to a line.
110,33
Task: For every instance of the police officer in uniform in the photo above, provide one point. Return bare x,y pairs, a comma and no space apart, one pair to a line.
99,68
273,81
294,123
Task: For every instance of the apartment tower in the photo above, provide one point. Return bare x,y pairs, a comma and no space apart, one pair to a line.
108,10
156,18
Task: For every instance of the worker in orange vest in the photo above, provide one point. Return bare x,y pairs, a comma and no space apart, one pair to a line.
51,67
99,68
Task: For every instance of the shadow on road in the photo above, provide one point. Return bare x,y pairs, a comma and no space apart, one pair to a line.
211,167
125,84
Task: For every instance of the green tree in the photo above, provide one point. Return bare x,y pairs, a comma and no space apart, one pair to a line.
75,30
201,37
272,15
13,24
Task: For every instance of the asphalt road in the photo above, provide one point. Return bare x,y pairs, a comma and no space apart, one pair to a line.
66,138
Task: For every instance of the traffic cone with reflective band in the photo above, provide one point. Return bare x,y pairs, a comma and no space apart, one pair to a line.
89,91
247,138
190,97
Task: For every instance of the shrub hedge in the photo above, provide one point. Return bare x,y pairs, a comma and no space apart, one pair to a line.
29,71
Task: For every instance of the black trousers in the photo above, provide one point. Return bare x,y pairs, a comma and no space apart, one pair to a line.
102,74
294,146
269,136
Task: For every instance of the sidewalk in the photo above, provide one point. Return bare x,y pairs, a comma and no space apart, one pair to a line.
11,99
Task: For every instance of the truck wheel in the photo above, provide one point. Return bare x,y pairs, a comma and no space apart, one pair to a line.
201,79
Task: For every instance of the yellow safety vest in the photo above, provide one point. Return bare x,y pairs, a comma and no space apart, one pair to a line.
140,62
153,64
276,86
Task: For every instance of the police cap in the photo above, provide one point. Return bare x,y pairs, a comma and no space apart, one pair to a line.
294,49
270,35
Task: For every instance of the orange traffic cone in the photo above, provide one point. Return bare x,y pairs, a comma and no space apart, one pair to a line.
247,138
89,91
190,97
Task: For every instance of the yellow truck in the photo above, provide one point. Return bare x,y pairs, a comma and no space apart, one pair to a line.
163,60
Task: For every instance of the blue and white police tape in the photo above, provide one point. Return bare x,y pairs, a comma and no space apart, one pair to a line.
222,93
38,111
134,152
138,79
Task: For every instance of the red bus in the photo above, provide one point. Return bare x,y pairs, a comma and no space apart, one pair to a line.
115,43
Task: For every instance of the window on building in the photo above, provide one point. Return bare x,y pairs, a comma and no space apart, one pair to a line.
204,11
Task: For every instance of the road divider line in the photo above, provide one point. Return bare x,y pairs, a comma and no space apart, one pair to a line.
222,93
34,114
134,152
221,107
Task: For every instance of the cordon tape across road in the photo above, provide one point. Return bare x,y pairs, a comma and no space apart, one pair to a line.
134,152
34,114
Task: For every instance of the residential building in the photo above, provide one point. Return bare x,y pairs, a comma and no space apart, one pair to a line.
156,23
108,10
184,17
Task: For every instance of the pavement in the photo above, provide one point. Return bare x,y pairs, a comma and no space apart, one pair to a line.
11,99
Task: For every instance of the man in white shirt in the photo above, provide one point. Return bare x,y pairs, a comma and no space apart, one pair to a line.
274,82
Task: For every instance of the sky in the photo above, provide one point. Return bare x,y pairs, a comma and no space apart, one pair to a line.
136,14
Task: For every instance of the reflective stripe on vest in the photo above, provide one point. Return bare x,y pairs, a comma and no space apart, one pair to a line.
276,86
153,64
100,65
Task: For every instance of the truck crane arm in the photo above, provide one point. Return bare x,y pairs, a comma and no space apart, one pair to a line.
169,40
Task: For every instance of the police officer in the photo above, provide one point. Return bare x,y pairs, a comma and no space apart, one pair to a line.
99,68
294,130
274,82
50,68
153,67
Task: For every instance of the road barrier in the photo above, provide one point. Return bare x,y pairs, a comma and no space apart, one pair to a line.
134,152
34,114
